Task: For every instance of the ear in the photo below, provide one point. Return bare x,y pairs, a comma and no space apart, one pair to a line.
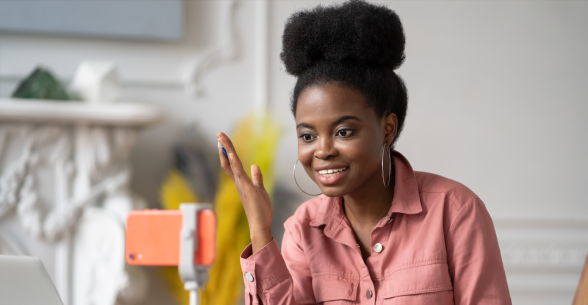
390,128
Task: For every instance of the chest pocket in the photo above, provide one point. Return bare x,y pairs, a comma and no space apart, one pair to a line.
429,284
332,289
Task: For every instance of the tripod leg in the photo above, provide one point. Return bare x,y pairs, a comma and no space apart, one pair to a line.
194,297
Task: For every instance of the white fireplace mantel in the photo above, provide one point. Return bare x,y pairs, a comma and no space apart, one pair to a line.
43,111
64,195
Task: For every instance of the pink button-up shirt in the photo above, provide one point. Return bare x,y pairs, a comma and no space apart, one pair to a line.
436,245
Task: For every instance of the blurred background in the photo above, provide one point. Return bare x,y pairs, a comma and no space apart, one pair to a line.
497,101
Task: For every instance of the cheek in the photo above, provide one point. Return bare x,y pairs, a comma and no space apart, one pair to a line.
305,154
365,156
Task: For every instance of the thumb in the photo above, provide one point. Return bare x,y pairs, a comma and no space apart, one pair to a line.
256,176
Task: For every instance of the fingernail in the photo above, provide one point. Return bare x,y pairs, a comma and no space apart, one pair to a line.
218,144
231,156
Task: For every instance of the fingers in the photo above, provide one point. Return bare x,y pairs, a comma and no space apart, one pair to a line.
237,168
226,142
234,168
257,177
225,164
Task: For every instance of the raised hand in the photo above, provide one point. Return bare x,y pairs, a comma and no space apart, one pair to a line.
255,199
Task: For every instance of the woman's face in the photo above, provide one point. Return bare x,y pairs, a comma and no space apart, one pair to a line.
340,139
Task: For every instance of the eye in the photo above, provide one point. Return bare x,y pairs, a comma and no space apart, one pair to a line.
344,132
306,137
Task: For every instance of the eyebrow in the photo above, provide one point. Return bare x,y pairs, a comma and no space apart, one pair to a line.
304,125
345,118
337,121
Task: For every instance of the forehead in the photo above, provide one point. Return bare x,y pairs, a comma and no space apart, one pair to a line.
329,102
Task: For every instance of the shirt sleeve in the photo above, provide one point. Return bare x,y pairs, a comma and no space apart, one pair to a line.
275,279
475,263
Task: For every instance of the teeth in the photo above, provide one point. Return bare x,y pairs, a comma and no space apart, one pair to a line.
331,172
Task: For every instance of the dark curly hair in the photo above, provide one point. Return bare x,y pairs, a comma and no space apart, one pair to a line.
355,44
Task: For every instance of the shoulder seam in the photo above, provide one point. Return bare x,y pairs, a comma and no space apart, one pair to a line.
470,202
465,204
452,201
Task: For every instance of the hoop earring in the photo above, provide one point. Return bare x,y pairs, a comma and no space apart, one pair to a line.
294,174
389,166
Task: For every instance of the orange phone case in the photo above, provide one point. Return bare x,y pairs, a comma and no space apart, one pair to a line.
206,238
153,237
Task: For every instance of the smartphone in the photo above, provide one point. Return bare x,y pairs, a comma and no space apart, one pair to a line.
153,238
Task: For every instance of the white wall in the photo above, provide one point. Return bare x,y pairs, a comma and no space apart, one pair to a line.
497,101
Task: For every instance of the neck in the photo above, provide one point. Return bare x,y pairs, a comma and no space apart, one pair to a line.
366,206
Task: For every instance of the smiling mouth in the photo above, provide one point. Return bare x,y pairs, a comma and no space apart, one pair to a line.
328,173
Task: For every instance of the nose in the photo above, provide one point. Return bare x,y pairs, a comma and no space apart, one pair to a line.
326,149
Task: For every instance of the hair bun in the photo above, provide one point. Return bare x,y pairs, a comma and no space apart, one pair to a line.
355,32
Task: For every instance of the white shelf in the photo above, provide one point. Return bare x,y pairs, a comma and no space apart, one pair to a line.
120,114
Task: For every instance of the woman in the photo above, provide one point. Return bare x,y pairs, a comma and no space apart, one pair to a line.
380,233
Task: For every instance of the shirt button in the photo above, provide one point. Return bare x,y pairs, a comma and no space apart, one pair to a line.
249,277
368,294
378,247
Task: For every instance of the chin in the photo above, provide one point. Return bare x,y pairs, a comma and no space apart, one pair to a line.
333,191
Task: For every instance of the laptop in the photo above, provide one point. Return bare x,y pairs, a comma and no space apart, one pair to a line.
24,281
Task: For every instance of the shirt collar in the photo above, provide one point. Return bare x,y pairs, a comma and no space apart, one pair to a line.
406,197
